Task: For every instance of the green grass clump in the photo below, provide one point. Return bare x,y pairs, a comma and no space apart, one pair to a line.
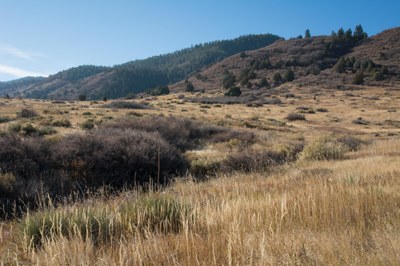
103,224
324,149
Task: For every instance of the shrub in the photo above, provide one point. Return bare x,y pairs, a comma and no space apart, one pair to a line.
322,110
228,80
201,168
295,117
160,90
46,131
82,97
189,86
323,149
233,91
88,124
125,105
264,83
360,121
358,78
4,119
28,129
351,143
117,157
27,113
14,128
180,132
289,75
253,160
62,123
379,76
277,77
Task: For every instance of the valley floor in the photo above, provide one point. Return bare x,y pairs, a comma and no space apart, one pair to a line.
341,211
320,213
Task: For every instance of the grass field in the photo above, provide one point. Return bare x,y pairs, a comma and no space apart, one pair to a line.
335,204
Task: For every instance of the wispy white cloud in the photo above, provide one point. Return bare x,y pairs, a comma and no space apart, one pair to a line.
18,72
9,50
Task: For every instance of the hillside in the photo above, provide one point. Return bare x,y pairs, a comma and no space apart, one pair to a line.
136,76
311,61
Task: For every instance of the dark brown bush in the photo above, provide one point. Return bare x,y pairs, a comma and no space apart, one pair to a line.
181,132
125,105
27,113
352,143
117,157
253,161
295,116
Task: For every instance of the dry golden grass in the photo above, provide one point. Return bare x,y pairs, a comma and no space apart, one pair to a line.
319,212
336,212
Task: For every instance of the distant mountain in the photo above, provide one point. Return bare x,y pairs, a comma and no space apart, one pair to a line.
136,76
9,86
330,61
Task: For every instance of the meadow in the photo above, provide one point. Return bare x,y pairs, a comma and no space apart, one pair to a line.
313,180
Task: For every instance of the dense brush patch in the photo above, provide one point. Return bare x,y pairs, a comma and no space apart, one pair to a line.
128,152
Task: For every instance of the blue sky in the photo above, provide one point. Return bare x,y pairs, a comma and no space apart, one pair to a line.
45,36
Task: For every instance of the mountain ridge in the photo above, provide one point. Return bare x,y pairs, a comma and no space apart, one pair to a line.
136,76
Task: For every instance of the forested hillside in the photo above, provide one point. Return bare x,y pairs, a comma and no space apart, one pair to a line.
139,75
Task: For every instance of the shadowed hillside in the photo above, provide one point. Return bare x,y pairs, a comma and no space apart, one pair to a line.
136,76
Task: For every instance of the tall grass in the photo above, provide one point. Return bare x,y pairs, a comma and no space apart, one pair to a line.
105,223
328,212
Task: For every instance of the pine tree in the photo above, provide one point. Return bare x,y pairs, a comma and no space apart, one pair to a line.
358,78
289,75
340,33
277,77
359,33
307,34
340,66
348,35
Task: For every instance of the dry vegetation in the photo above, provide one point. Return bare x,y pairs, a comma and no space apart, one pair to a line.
258,188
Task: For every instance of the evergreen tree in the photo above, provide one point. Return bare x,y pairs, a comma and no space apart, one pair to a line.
348,35
340,33
379,76
189,86
359,33
307,34
228,80
233,91
264,82
277,77
289,75
340,66
358,78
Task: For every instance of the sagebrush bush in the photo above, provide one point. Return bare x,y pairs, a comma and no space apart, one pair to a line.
125,105
117,156
88,124
324,149
181,132
253,160
27,113
351,143
61,123
295,117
